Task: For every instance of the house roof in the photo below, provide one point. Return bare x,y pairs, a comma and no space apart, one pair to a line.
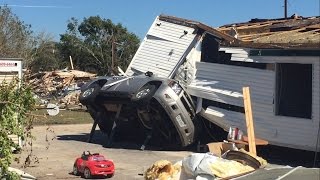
294,32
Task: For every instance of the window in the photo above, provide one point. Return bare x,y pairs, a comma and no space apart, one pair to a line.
98,158
294,90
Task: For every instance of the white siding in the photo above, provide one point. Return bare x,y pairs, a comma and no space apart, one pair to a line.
162,48
224,83
237,54
11,69
8,77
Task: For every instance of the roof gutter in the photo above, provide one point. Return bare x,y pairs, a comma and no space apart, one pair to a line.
198,25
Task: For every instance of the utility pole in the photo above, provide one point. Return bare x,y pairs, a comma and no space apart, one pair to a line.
286,9
113,55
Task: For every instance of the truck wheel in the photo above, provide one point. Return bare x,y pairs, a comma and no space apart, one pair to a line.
166,133
88,95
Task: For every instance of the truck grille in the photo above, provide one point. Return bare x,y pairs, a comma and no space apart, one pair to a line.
187,104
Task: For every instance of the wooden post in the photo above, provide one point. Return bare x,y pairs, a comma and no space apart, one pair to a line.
249,120
71,63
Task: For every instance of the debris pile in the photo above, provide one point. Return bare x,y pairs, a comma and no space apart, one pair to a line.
232,163
61,85
162,170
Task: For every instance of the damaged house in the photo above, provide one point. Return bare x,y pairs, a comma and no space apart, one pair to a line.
278,59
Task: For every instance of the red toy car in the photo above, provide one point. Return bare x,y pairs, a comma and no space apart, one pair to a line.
93,164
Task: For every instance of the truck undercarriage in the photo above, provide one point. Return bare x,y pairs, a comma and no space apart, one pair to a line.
148,110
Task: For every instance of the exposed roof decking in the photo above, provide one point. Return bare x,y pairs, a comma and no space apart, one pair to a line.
296,32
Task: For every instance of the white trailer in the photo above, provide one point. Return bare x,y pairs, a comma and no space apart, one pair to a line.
10,69
279,63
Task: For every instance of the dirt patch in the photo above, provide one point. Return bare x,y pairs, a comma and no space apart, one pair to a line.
57,147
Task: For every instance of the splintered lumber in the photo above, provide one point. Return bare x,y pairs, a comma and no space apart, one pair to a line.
59,84
75,73
293,32
71,62
67,81
249,120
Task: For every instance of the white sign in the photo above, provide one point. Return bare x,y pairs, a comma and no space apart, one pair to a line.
8,64
11,65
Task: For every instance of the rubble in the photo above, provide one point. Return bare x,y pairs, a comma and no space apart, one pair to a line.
61,85
210,165
162,170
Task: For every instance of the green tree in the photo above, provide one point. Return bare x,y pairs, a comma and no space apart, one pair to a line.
90,44
15,35
18,41
45,56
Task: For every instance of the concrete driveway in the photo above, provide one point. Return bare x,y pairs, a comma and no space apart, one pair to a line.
56,148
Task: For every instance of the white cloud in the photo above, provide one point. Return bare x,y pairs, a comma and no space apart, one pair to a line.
32,6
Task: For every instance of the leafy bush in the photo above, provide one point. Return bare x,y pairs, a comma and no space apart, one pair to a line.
15,104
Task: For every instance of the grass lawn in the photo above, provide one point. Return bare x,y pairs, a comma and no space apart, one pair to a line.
64,117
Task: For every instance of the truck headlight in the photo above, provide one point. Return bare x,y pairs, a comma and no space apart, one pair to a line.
175,87
88,92
143,93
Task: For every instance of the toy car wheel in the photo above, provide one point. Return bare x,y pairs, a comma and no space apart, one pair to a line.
75,170
110,175
87,173
88,95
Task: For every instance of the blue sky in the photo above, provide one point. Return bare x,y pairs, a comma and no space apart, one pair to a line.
137,15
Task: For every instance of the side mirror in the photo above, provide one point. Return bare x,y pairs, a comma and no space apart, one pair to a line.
148,73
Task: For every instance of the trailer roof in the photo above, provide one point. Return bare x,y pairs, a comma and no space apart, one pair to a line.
295,32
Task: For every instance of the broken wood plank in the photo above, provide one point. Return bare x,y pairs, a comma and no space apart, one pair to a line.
71,62
261,142
249,120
